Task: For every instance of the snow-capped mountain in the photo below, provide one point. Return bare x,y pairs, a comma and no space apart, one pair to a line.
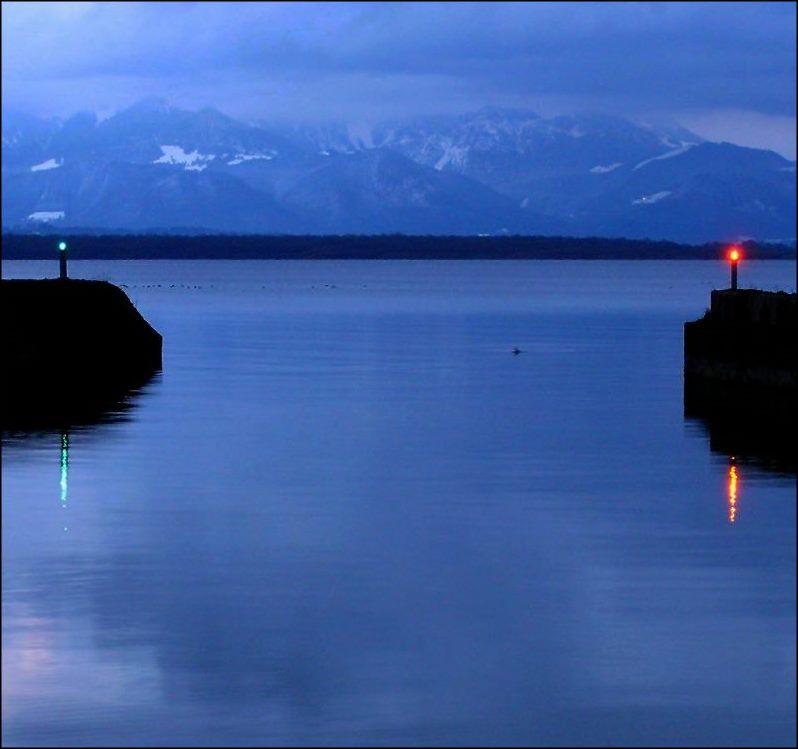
154,166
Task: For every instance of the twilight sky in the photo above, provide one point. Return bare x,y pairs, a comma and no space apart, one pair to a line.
725,70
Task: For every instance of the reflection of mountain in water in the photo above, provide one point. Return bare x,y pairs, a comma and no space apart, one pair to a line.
753,428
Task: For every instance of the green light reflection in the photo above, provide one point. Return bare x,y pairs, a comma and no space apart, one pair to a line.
64,482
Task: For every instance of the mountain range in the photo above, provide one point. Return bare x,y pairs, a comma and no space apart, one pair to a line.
155,167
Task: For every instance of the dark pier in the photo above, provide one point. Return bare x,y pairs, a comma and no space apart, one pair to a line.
740,375
746,339
72,349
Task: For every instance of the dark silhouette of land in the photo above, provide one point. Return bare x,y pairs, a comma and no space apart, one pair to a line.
113,246
73,350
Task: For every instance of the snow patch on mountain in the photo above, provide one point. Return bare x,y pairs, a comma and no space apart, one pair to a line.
240,158
45,165
605,169
654,198
177,156
454,155
678,151
46,216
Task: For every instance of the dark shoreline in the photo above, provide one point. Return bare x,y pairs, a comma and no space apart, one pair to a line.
89,246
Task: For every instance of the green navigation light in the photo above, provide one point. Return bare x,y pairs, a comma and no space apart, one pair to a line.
62,246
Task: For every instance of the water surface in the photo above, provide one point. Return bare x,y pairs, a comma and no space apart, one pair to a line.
347,513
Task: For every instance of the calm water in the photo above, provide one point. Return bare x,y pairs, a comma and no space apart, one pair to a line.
346,513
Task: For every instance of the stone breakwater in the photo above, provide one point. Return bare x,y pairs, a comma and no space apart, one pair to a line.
71,348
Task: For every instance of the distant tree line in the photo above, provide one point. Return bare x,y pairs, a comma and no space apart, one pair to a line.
90,246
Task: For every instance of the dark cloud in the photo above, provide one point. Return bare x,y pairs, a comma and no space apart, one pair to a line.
363,59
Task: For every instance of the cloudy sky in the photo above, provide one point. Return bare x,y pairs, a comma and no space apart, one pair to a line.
726,70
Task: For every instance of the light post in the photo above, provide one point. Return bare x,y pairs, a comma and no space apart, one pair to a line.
735,255
62,260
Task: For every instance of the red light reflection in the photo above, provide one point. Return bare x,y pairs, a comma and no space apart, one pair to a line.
733,490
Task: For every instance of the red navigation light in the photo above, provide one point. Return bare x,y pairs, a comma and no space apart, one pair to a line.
735,255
